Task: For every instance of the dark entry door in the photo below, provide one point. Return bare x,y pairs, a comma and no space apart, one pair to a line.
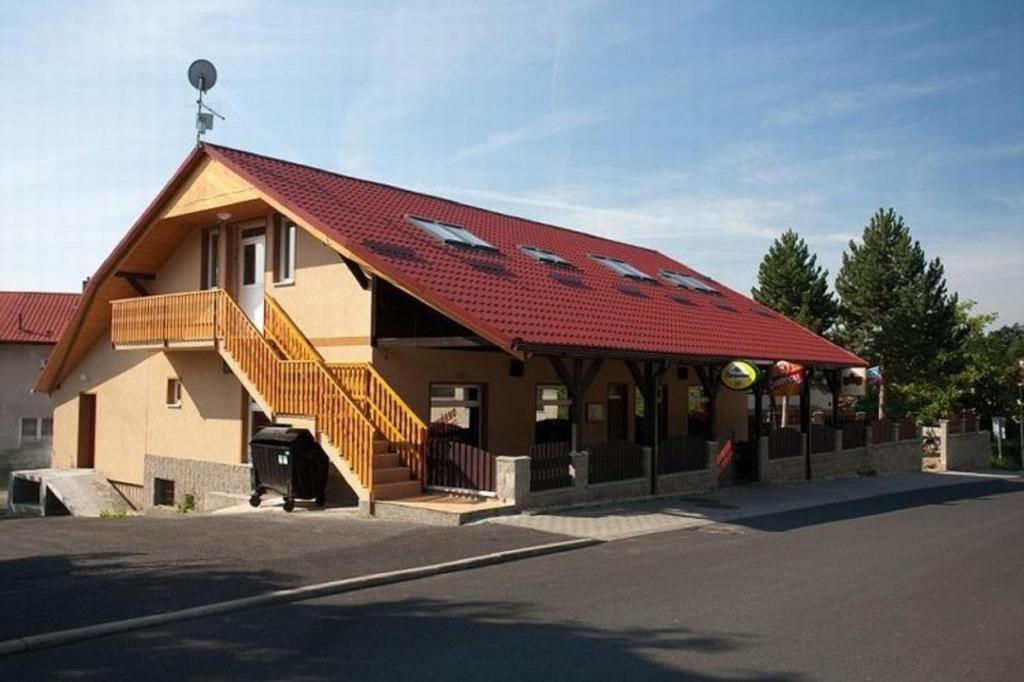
640,415
618,415
86,431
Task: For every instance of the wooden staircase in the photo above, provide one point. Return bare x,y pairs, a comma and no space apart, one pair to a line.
398,463
380,439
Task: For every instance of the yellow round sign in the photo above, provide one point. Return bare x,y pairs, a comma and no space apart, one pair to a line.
739,375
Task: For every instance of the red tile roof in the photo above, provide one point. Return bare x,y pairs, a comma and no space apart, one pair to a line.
34,316
514,300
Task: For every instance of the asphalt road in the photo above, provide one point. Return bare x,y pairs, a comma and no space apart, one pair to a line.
931,588
63,572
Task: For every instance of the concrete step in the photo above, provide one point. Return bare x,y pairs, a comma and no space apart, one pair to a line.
387,461
52,492
396,491
391,475
381,447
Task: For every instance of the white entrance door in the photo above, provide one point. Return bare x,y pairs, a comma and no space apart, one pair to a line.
251,261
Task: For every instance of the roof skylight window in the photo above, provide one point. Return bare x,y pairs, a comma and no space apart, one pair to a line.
451,234
543,256
623,268
688,282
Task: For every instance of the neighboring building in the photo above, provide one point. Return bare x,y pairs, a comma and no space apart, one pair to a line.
402,327
30,324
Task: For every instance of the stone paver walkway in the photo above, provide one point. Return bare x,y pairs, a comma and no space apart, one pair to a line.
655,515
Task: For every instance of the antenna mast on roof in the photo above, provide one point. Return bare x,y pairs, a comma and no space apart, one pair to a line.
203,76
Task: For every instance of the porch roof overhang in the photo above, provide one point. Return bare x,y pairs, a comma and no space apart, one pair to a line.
569,351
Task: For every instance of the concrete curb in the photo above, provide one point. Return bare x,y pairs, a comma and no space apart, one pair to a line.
63,637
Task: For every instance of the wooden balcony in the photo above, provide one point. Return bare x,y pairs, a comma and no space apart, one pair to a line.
185,320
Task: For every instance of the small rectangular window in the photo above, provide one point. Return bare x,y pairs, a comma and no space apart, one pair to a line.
173,393
687,282
543,256
249,265
284,257
29,429
46,427
451,234
163,492
623,268
552,421
211,259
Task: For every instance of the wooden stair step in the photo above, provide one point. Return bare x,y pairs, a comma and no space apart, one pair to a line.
381,447
387,461
396,491
391,475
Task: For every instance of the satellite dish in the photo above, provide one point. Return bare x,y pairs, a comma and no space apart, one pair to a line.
202,75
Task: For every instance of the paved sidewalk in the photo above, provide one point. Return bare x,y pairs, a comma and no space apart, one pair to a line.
735,504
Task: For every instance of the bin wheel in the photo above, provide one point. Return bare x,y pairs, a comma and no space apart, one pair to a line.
254,499
321,501
289,504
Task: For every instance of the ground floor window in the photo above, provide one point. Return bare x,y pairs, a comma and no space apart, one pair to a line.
553,420
456,413
698,412
36,429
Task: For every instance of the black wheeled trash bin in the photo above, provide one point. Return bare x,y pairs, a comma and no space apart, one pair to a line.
290,462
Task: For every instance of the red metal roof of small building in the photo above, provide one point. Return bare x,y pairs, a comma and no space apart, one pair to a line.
34,316
509,296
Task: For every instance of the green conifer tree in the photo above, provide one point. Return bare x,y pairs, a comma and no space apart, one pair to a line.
790,282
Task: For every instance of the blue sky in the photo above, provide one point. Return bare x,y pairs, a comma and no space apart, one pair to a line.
702,129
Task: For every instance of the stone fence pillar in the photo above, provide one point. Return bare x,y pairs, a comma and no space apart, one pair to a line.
579,468
944,443
512,483
837,440
762,456
647,453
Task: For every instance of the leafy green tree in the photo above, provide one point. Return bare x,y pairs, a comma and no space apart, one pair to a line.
790,282
895,311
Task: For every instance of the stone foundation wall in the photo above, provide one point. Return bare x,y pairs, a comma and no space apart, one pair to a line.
839,464
688,482
783,470
135,494
194,477
897,458
966,451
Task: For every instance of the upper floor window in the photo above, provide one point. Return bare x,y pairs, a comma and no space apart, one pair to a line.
451,234
623,268
543,256
210,277
284,252
687,282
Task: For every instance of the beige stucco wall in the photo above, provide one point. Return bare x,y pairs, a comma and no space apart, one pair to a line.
132,418
511,401
325,301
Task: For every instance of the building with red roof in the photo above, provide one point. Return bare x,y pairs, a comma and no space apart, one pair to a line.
420,338
30,324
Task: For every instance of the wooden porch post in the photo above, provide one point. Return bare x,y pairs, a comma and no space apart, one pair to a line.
805,417
648,379
755,437
834,378
576,383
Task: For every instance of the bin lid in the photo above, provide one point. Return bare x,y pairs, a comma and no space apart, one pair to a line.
281,435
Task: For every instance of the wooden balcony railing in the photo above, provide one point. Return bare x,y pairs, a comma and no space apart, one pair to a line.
302,387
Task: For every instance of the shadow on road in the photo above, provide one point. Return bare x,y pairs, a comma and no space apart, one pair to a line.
412,639
882,504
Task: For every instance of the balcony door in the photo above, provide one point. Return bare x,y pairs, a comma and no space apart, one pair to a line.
251,266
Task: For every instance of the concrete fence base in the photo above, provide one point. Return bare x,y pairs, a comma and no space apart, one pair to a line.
960,451
513,482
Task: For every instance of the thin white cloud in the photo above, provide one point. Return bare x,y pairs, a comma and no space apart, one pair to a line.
547,126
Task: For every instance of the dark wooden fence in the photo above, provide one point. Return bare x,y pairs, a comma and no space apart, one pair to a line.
881,432
615,460
451,464
549,466
854,435
970,422
822,438
682,453
908,429
784,443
